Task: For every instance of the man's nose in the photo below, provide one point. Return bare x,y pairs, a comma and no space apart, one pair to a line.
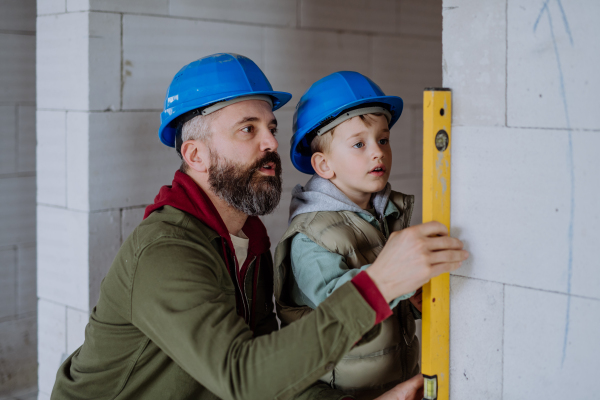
268,141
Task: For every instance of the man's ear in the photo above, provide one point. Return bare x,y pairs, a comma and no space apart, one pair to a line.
195,154
321,166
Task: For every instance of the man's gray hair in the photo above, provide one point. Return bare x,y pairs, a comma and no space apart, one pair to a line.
197,128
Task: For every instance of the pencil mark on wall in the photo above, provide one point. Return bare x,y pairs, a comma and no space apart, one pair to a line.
546,11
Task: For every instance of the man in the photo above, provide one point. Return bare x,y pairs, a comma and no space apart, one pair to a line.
185,311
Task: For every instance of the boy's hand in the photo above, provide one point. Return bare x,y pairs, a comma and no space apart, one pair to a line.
411,389
416,299
413,256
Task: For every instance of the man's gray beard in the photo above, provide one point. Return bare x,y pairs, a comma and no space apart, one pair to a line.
243,187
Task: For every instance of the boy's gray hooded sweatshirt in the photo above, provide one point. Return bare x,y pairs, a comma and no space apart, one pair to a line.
320,194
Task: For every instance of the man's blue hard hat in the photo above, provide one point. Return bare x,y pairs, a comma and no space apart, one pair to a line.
212,79
326,100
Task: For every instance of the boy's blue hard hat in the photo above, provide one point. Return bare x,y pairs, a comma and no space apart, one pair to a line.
327,99
212,79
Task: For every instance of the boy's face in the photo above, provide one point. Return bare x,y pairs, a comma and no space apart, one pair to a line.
359,157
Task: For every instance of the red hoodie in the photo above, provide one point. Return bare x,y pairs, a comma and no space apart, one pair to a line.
185,195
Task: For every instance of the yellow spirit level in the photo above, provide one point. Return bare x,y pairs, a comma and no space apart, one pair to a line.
437,112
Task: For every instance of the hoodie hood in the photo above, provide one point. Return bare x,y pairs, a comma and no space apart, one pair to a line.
185,195
320,194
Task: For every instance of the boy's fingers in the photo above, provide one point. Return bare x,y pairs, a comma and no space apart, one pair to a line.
433,228
444,243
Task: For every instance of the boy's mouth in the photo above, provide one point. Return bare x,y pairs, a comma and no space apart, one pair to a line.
379,170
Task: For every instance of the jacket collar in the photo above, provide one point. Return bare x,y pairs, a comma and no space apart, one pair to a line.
185,195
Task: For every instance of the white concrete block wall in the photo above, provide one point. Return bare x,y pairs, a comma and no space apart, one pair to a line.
18,303
524,197
103,69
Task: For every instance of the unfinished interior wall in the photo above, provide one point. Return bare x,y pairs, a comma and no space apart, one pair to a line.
103,70
525,309
18,360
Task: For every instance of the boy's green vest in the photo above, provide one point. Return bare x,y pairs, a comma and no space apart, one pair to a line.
389,353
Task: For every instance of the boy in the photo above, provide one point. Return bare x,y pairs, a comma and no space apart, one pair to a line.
340,221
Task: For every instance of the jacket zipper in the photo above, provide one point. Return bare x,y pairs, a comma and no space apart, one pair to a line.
243,290
237,281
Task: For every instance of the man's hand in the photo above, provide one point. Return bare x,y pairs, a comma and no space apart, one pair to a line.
413,256
411,389
417,299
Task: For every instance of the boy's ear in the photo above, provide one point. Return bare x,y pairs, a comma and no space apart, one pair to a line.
194,152
321,167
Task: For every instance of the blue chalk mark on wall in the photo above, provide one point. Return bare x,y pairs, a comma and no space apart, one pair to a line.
546,11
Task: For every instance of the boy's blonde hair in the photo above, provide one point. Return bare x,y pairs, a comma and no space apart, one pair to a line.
321,144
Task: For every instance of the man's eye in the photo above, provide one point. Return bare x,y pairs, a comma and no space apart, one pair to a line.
358,145
274,131
248,129
384,141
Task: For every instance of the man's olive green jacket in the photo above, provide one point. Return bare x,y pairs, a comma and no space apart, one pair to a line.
172,322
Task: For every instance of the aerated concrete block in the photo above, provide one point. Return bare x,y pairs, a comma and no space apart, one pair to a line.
552,71
78,161
26,279
263,12
291,176
420,18
52,338
105,61
17,15
277,222
401,142
45,7
26,139
127,162
8,139
295,59
476,338
17,70
132,6
8,281
76,323
154,49
104,242
130,219
405,66
63,256
586,274
353,15
63,61
475,66
511,204
51,158
17,196
537,363
18,364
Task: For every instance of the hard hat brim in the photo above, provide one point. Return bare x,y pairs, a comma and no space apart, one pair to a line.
168,128
302,163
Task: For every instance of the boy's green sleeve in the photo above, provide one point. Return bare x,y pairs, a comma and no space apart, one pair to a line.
318,273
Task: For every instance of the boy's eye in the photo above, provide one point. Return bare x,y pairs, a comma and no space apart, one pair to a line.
358,145
384,141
